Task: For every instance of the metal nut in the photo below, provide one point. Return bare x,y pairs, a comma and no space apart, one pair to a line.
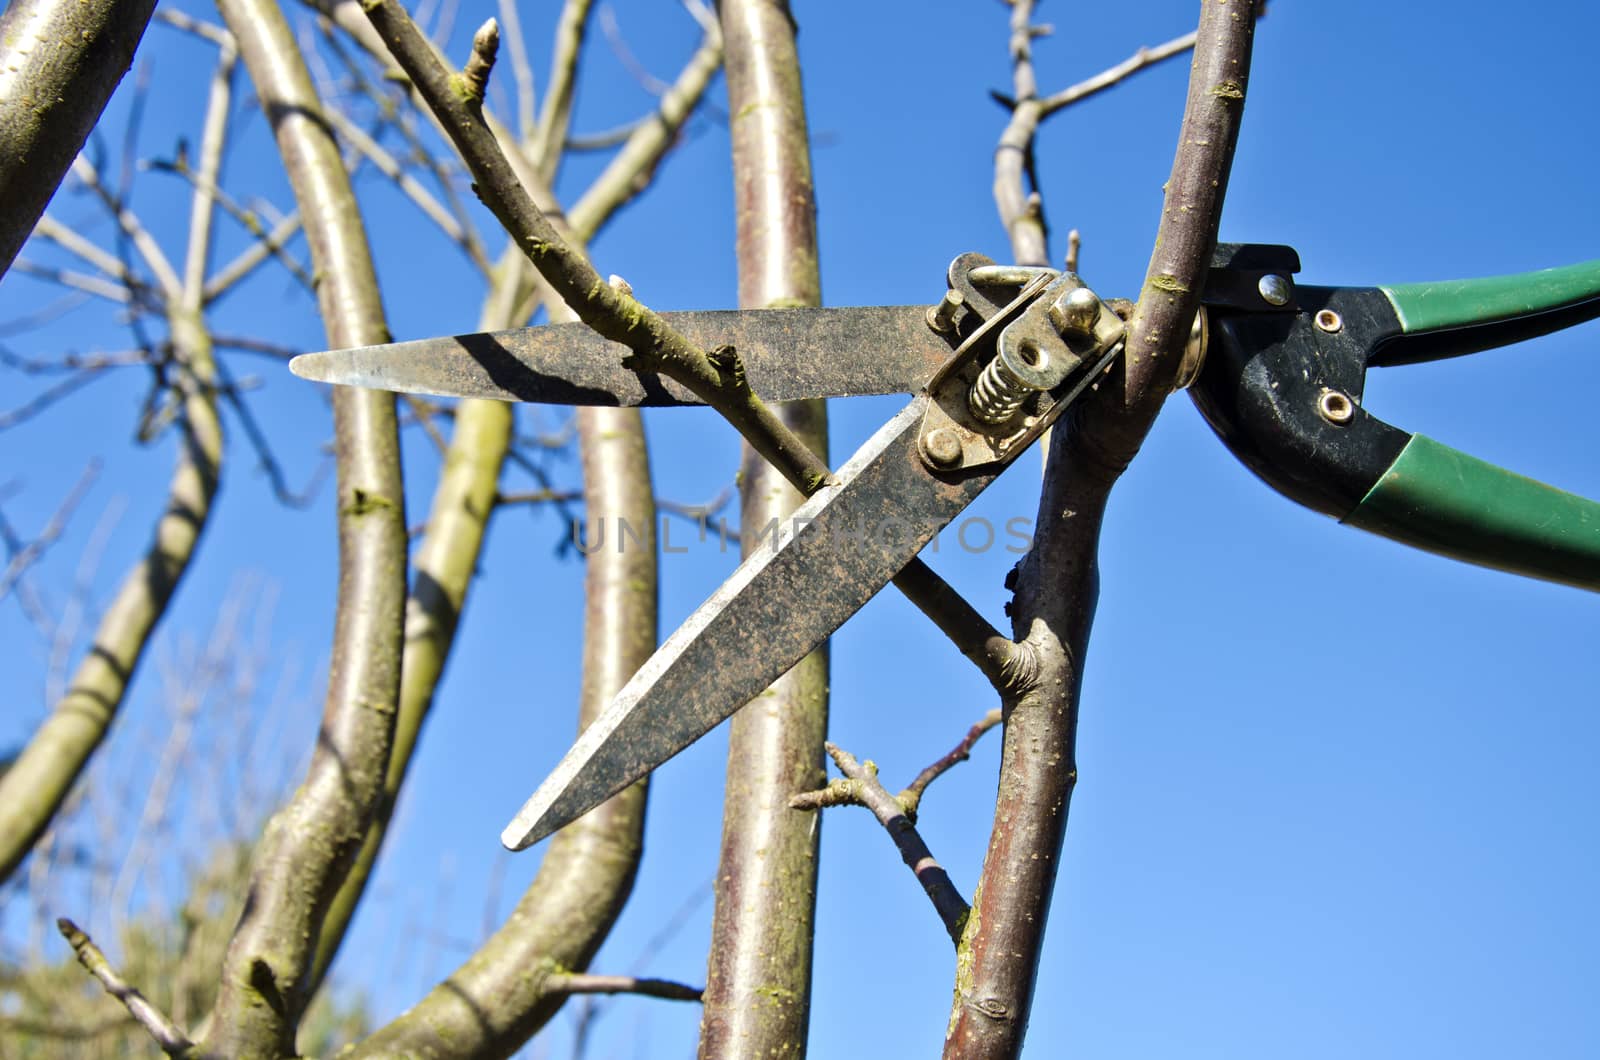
1275,289
942,447
1335,407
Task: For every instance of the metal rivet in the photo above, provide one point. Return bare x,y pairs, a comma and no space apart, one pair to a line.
942,317
942,447
1275,289
1335,407
1329,321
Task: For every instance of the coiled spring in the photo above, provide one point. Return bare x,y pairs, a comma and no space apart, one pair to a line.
998,393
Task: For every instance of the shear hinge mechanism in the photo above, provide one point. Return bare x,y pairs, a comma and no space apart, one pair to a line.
1034,340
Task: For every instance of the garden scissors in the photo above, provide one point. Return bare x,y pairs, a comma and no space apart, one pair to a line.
1276,368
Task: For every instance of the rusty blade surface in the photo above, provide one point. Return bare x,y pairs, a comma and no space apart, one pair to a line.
810,574
788,354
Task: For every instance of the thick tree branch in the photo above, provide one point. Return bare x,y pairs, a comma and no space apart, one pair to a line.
522,975
1059,579
59,62
309,844
758,976
38,782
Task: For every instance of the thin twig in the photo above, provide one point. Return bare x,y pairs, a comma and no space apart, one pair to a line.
29,554
911,796
1142,59
574,983
164,1031
862,787
267,245
132,227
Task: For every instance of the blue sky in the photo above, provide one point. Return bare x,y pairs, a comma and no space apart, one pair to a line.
1336,796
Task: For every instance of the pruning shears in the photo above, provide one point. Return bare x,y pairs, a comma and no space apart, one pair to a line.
1276,368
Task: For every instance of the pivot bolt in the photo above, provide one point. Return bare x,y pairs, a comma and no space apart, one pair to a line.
942,447
1275,289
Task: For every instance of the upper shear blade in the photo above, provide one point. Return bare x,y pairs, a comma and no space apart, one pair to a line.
788,354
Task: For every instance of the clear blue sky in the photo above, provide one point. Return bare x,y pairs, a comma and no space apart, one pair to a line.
1336,796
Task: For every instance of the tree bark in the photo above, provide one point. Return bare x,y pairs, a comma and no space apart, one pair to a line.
310,843
1058,581
758,980
60,60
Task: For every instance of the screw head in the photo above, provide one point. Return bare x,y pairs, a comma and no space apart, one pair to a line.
1275,289
1075,311
942,447
1329,321
1335,407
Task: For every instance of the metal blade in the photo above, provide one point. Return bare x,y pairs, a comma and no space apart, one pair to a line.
810,574
788,354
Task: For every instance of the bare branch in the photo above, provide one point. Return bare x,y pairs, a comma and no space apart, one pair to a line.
29,554
521,70
634,166
51,95
268,244
1059,578
1142,59
556,114
861,787
911,797
622,984
463,236
203,203
77,281
163,1030
311,842
149,250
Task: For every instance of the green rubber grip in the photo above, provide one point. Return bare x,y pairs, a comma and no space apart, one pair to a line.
1463,303
1440,499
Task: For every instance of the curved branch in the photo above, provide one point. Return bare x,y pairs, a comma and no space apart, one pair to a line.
522,975
309,844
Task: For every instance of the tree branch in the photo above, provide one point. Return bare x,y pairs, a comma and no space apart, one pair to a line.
549,138
523,974
60,60
166,1033
622,984
911,797
309,844
1142,59
861,787
998,956
758,975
